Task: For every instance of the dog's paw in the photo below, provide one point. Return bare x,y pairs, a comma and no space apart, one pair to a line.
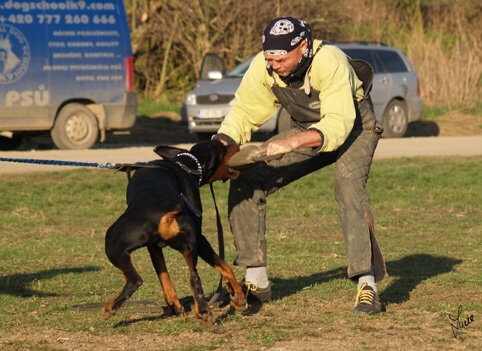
241,304
176,309
107,313
205,318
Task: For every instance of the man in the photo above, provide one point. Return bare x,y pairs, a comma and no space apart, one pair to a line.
332,122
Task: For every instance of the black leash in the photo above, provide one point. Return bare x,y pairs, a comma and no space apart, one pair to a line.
130,167
219,225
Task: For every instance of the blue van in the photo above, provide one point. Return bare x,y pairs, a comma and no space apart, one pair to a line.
66,67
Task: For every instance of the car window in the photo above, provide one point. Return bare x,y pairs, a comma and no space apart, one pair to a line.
365,55
240,70
392,61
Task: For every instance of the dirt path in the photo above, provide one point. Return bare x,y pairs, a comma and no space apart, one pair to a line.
452,135
142,152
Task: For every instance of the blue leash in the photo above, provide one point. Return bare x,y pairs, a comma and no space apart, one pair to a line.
58,163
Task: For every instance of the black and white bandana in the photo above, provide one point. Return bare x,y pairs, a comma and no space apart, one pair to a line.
284,34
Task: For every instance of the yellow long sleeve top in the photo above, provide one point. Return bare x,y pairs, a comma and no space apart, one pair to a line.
331,74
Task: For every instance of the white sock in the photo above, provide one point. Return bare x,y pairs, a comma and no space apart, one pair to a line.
369,279
258,276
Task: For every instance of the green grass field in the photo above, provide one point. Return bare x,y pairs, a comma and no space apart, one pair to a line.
428,222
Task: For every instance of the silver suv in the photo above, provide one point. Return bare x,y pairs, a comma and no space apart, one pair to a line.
395,93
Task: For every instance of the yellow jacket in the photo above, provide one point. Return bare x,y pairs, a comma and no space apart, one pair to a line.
330,74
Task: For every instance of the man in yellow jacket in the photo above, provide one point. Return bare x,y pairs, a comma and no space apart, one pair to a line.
327,95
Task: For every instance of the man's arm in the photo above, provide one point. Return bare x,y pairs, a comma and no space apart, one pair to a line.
254,104
309,138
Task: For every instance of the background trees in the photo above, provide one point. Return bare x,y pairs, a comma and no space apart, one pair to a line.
441,38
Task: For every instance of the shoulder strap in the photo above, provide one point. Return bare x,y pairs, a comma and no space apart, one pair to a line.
306,83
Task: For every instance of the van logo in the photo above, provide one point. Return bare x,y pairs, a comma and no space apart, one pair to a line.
14,54
213,97
40,97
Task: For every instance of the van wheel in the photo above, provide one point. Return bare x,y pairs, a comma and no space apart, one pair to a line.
284,121
75,128
395,120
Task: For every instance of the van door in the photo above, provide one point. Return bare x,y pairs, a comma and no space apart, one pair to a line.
24,84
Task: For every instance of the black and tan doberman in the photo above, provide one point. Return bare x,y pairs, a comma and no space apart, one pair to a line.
164,209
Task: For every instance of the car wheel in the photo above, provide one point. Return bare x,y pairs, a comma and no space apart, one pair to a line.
395,120
75,128
12,143
284,121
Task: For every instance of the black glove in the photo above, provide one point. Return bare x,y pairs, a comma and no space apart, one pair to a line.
223,137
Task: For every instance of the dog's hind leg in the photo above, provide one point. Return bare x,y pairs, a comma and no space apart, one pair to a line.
170,294
133,282
206,252
119,244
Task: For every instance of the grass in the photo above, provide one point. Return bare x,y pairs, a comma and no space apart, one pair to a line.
427,214
433,113
149,107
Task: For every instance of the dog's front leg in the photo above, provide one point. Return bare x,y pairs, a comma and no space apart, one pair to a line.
206,252
238,299
170,295
201,306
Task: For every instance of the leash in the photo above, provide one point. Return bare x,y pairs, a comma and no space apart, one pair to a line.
58,162
219,225
118,167
129,167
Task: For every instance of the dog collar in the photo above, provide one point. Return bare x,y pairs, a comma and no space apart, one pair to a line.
198,172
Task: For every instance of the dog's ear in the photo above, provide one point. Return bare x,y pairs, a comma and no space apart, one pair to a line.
168,152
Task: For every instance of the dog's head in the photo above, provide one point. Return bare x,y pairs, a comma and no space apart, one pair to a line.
212,155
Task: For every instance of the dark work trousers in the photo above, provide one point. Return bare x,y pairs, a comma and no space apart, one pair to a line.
248,193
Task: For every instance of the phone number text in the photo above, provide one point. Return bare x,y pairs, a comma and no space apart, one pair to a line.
57,19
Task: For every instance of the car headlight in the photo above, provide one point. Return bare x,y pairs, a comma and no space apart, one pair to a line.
190,100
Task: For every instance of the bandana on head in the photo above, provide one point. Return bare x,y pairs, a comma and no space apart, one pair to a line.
284,34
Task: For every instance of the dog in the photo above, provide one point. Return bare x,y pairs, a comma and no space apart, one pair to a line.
164,209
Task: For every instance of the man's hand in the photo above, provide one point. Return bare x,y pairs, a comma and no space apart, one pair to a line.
278,147
308,138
